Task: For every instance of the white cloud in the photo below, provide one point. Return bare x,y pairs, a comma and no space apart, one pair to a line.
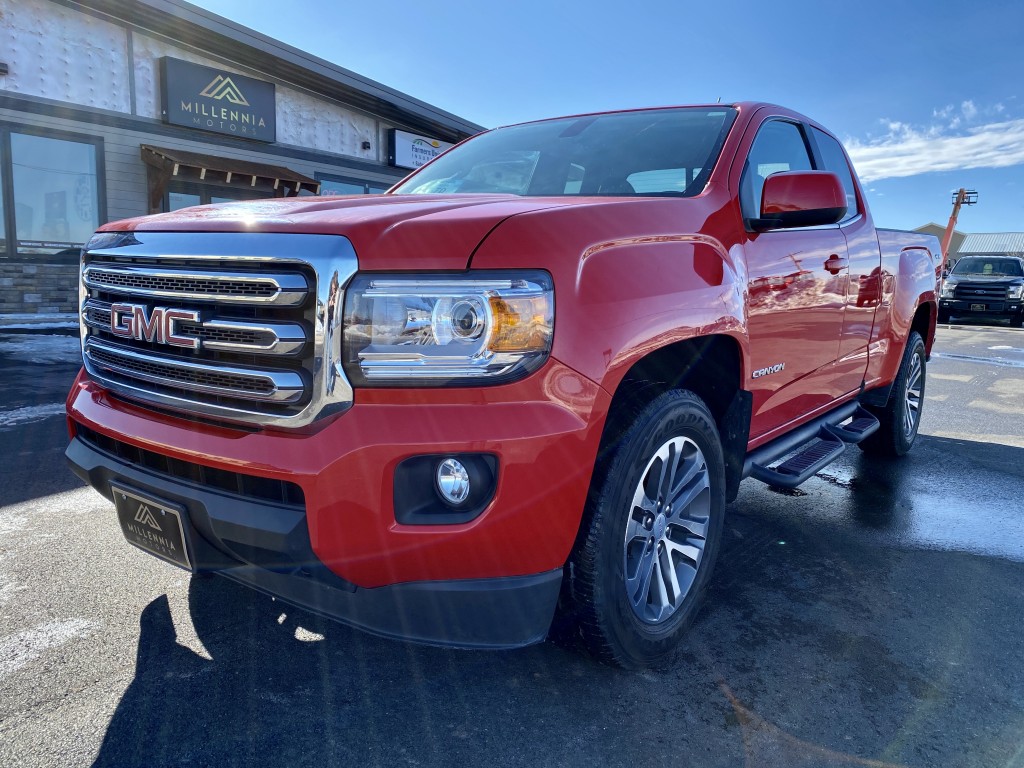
969,109
906,151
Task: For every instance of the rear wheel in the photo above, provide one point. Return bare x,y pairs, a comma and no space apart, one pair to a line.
901,417
651,533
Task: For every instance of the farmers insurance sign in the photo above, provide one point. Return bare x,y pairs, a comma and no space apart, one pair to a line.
214,100
407,150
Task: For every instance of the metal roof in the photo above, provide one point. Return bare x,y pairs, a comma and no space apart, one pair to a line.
1008,243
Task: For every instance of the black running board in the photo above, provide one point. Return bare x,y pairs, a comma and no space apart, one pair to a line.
810,447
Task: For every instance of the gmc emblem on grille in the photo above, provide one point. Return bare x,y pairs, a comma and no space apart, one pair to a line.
131,321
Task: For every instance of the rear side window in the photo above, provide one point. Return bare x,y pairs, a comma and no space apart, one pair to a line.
835,161
779,146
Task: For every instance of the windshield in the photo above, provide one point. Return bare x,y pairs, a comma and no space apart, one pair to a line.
985,266
651,153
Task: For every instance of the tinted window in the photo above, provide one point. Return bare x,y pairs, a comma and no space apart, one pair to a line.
654,152
835,161
779,146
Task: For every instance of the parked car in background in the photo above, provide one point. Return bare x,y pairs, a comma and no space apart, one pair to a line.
990,287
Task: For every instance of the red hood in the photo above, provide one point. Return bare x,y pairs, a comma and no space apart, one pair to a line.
388,232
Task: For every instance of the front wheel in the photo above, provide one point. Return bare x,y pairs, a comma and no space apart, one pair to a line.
901,417
651,533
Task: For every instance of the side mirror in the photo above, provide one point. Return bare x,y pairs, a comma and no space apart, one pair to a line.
800,199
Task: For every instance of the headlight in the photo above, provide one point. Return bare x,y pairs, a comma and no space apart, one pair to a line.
948,288
468,328
1015,292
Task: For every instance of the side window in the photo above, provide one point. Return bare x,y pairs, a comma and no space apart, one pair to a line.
835,161
779,146
574,180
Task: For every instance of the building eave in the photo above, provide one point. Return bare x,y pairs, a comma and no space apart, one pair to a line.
180,20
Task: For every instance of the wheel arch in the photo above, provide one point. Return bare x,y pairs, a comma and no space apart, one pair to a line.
709,366
924,321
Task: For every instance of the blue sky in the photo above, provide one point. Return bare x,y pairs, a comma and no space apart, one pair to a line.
926,96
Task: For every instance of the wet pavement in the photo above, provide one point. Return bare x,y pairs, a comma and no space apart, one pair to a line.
871,618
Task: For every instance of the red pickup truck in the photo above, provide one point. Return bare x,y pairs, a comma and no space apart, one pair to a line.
528,378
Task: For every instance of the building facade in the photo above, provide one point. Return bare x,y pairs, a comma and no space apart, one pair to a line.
117,108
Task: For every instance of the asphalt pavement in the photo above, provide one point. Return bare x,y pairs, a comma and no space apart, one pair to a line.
870,618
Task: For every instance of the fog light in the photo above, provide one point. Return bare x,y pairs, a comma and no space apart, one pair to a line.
453,481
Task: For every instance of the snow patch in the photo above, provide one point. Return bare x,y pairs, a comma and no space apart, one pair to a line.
30,413
41,348
22,648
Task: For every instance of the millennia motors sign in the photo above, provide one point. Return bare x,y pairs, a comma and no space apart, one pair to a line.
214,100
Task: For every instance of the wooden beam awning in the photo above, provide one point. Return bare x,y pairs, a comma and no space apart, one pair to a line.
192,166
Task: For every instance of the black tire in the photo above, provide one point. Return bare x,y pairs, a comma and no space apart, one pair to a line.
666,543
1017,322
900,421
943,316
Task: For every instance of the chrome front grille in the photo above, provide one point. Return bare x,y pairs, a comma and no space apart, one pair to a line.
237,327
219,333
223,381
286,289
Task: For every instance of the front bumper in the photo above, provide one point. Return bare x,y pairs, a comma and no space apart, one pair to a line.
1003,308
474,613
335,547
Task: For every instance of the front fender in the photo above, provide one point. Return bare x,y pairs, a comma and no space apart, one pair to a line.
630,278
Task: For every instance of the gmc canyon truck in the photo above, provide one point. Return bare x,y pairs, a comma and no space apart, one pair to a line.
527,379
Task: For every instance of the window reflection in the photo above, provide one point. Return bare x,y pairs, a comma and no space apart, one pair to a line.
56,205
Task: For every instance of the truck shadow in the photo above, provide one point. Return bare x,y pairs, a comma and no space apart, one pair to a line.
818,607
283,687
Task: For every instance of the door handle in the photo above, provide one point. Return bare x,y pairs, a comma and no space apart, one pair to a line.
835,264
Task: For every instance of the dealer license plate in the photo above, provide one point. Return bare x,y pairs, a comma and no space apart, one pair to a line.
978,307
152,524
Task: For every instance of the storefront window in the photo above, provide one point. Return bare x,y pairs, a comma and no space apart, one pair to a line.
186,194
3,233
331,187
179,200
56,201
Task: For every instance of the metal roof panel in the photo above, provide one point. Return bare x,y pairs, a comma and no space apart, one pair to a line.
1010,243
